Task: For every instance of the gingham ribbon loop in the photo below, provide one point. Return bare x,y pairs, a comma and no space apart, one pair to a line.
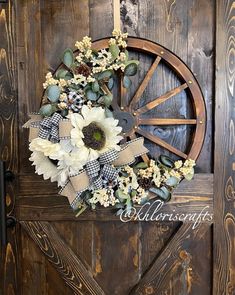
93,169
49,128
109,172
108,157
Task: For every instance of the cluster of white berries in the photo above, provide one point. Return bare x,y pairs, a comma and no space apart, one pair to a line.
105,197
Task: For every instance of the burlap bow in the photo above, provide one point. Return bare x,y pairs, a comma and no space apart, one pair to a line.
104,169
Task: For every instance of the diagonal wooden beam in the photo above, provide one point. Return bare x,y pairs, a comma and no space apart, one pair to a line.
145,82
161,143
174,258
69,266
157,101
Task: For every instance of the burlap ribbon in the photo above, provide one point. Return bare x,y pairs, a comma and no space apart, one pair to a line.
93,175
96,172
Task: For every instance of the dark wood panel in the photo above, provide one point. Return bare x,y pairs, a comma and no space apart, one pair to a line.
224,227
116,256
189,197
68,265
200,59
176,260
9,257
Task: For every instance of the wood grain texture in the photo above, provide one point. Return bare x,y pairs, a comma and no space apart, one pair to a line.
9,257
188,197
224,227
175,260
76,276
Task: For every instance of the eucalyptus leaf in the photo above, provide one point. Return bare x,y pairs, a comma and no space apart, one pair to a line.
47,110
126,82
105,74
141,165
68,57
108,113
172,181
189,176
106,100
166,161
127,55
133,193
163,193
121,195
131,69
53,93
61,73
91,95
95,86
114,50
110,83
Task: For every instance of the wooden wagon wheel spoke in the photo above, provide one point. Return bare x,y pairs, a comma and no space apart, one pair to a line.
162,98
128,114
163,121
145,82
161,143
122,92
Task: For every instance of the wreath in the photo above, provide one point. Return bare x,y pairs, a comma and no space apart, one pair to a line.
76,141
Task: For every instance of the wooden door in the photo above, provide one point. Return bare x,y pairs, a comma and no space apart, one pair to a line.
52,252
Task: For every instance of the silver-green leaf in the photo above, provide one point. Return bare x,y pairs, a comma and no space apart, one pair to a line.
53,93
131,68
127,82
68,57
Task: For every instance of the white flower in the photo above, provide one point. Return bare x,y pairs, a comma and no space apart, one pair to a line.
67,156
93,133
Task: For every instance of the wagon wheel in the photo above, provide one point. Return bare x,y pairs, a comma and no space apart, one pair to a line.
130,116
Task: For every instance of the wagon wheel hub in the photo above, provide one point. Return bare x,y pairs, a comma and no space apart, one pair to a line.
126,120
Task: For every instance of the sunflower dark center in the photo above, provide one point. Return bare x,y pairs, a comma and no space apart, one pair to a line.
94,136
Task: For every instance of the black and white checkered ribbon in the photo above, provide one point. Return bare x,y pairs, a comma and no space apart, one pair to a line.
101,171
49,128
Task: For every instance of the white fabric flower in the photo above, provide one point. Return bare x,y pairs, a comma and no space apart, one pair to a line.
68,159
94,133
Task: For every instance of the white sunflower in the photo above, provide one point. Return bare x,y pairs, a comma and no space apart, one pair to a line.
53,162
93,133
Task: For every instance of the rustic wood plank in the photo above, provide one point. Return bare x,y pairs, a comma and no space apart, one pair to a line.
9,257
167,26
190,196
76,276
154,236
33,274
176,257
224,226
201,60
116,256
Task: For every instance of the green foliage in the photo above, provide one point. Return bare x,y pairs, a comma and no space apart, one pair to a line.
166,161
163,193
126,82
172,181
91,95
47,110
131,68
141,165
53,93
105,74
68,57
95,86
114,50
